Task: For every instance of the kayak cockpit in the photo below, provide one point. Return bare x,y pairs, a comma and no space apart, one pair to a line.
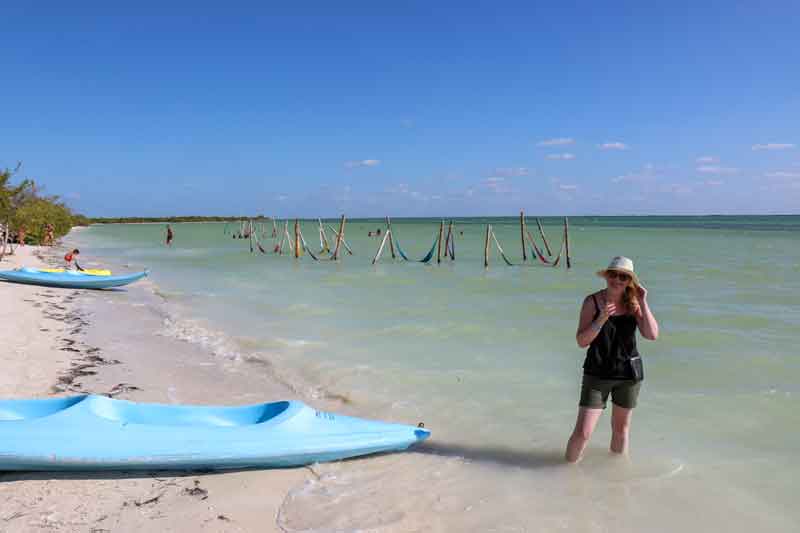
30,409
184,415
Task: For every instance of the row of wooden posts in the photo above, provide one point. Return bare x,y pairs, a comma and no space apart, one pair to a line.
297,244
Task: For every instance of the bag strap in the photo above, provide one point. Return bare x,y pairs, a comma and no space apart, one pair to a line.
596,307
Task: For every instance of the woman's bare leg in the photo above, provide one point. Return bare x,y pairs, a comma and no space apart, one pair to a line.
584,426
620,427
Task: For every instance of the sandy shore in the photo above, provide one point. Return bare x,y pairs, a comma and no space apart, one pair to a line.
55,343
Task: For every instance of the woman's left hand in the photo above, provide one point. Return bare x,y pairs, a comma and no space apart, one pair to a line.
642,293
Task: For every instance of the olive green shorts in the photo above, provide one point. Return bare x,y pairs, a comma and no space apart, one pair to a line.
595,391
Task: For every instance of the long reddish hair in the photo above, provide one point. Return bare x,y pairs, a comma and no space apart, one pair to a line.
630,297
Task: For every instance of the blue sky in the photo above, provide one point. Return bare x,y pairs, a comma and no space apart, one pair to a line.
405,108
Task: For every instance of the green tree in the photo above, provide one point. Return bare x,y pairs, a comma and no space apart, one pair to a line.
21,206
11,197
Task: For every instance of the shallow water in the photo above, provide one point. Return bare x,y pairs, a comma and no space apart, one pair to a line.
487,359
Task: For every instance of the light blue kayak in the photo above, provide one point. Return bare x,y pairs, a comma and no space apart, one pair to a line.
99,433
69,279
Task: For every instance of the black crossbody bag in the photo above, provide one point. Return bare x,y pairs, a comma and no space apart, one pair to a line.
637,368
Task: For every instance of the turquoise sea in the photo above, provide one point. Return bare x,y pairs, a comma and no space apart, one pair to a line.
487,358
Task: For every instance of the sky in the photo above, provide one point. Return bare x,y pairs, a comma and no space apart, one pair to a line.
406,108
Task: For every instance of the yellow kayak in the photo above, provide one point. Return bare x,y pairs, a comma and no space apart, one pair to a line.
91,272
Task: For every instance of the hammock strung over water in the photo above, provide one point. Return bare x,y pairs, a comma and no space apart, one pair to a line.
490,237
297,244
449,245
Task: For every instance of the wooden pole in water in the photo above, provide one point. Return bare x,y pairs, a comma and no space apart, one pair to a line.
391,237
380,249
566,240
296,239
486,248
339,238
344,242
289,242
279,248
439,243
522,234
447,240
451,242
541,232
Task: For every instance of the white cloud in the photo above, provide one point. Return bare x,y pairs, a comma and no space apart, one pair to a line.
773,146
707,159
560,141
783,174
400,188
562,157
566,187
677,188
713,183
613,146
510,172
363,163
648,173
496,184
282,198
715,169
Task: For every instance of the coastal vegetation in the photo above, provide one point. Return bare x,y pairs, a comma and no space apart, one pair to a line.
26,212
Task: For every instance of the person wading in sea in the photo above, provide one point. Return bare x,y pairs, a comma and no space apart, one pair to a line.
170,235
608,322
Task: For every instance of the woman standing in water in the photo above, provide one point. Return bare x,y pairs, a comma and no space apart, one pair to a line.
608,322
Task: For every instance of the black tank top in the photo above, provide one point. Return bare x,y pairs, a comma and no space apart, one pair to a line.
609,353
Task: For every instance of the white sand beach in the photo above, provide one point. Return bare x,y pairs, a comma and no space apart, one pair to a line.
47,352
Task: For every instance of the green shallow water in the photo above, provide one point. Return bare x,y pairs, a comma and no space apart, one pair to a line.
489,356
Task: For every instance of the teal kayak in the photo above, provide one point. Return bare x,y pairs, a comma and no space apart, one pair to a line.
69,279
93,432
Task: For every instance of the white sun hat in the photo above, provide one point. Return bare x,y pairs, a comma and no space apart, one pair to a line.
620,264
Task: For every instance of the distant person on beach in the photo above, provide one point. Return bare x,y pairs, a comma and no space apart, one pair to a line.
170,235
49,234
71,260
21,235
607,325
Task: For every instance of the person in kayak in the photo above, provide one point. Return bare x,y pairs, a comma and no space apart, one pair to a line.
71,260
170,235
607,326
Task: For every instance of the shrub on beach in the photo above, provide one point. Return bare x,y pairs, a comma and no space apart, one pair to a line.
22,207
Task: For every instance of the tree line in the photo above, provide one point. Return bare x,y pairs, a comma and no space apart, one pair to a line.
26,213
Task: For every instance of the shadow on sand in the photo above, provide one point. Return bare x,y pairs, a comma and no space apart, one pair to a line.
497,455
